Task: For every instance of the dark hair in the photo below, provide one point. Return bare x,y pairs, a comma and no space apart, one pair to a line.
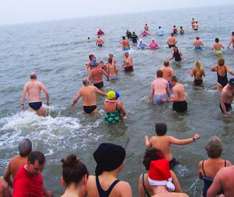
197,38
166,63
159,73
25,147
174,78
160,129
216,40
33,76
110,60
221,62
150,155
123,37
172,34
91,56
73,170
233,33
36,156
214,147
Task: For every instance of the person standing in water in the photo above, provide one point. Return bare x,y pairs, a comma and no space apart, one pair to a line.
99,42
127,62
89,95
146,27
168,72
163,142
176,55
111,69
110,162
226,98
217,47
198,43
174,30
153,45
114,108
198,73
159,89
32,90
181,30
178,97
125,44
222,70
231,43
134,38
171,41
74,177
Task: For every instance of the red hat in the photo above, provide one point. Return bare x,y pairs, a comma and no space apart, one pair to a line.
159,174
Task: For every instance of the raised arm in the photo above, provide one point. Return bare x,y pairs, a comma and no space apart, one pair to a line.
177,141
98,91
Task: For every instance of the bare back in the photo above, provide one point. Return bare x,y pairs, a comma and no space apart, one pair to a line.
88,95
179,92
33,90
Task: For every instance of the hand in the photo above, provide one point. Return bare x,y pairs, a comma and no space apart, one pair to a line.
196,136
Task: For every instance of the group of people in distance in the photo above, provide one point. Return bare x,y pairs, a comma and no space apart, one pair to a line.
23,174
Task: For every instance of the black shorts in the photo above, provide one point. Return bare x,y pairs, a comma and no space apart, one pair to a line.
99,45
198,82
99,85
89,109
171,45
173,163
35,105
128,69
180,106
228,107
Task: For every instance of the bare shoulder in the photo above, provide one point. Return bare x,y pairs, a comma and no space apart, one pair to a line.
123,185
91,179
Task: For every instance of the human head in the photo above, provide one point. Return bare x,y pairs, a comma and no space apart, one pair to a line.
33,76
160,129
198,65
221,62
150,155
174,80
111,55
166,63
172,34
214,147
197,38
25,147
109,157
159,27
86,82
133,33
174,26
159,74
110,60
216,40
91,57
123,38
73,171
181,27
111,95
126,54
36,162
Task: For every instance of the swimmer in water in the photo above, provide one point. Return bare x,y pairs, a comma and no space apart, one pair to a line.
88,93
127,62
111,69
226,98
198,43
134,38
141,45
146,28
159,89
176,55
181,30
128,34
99,42
231,43
217,47
178,97
96,75
114,108
160,31
198,73
193,22
153,45
32,91
163,142
171,41
195,25
222,70
174,30
92,62
100,32
168,72
125,44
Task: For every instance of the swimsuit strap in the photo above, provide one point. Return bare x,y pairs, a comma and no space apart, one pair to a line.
203,168
103,193
143,183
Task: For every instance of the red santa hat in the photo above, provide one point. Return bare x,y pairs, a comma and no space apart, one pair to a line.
159,174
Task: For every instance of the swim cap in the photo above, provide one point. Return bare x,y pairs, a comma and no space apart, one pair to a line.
111,95
117,95
231,82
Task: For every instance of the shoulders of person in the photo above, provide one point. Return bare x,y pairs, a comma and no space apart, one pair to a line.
122,186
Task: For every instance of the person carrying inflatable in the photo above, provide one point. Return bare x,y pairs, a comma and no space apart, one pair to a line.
114,108
141,45
153,45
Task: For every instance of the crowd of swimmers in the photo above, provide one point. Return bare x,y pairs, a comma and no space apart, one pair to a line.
23,174
23,178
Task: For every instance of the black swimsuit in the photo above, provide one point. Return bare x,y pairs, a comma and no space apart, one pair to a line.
35,105
89,109
103,193
177,56
222,80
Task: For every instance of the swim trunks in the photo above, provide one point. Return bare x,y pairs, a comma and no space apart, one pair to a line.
180,106
35,105
171,45
228,107
128,69
126,49
99,45
198,48
198,82
89,109
99,85
160,99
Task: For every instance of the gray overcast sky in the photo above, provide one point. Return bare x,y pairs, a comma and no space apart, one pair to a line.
21,11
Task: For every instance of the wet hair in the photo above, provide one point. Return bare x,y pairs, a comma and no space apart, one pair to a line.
25,147
36,156
166,63
150,155
174,78
221,62
110,60
174,26
88,38
159,73
160,129
33,76
216,39
91,56
181,27
197,38
73,170
172,34
85,81
214,147
159,27
123,38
